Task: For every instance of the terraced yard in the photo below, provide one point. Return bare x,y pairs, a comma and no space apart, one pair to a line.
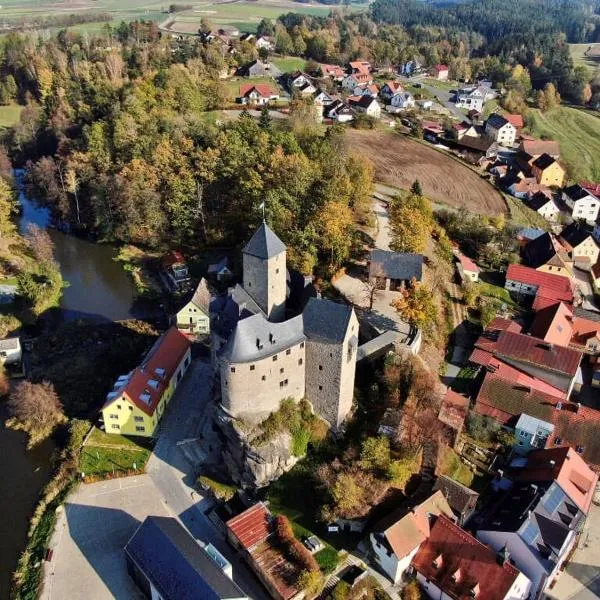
578,133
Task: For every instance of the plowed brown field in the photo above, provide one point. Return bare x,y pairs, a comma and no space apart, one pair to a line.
399,161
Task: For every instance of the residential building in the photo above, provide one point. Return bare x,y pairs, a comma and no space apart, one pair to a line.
582,203
258,68
548,171
515,120
544,205
586,331
251,533
409,67
440,72
579,242
452,564
352,81
390,89
366,90
322,98
467,269
595,276
530,149
263,358
545,254
473,98
360,66
175,270
553,324
264,41
338,111
10,351
453,412
301,84
336,72
530,282
538,519
401,101
138,400
500,129
526,234
167,563
365,104
396,539
258,94
526,187
393,270
462,500
194,316
220,270
531,434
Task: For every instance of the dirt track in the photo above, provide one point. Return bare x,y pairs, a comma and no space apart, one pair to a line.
399,161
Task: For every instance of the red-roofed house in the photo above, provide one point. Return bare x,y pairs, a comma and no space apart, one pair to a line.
360,66
138,400
553,324
515,120
354,80
334,71
452,564
467,269
251,532
586,331
390,89
453,412
530,282
257,93
440,72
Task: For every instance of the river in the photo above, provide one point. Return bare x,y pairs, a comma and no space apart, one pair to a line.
98,289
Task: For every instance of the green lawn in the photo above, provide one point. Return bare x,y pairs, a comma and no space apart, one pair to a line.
99,437
592,60
233,85
454,468
9,115
523,215
578,133
497,292
8,281
447,86
289,63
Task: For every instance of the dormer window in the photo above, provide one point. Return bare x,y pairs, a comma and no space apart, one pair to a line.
474,591
437,562
456,576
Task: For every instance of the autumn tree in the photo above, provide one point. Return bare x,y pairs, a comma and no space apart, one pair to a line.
417,306
8,208
311,582
40,243
412,591
36,409
375,453
411,222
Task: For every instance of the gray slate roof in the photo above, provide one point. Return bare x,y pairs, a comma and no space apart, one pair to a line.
395,265
459,496
264,243
325,320
255,338
201,297
11,343
176,565
496,121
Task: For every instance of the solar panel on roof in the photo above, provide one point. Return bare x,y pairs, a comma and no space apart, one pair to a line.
530,533
553,498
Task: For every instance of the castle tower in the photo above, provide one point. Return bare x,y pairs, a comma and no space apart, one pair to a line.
265,272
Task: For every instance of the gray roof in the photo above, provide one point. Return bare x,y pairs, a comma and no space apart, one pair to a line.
11,343
176,565
264,243
201,297
459,496
227,310
395,265
255,338
582,313
326,321
496,121
532,424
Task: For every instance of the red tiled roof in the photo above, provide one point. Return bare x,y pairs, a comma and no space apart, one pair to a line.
553,324
593,188
334,70
394,86
440,68
564,465
172,258
466,564
556,285
264,89
252,526
453,410
362,77
167,352
487,340
515,120
583,329
530,350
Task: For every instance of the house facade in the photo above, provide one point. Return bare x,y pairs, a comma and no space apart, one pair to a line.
338,111
500,130
548,171
531,434
440,72
10,351
365,104
194,316
544,205
581,203
402,101
258,95
579,242
138,400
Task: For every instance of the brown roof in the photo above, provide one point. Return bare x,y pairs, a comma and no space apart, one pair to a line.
487,340
459,496
461,566
539,147
515,120
453,410
251,527
201,297
264,89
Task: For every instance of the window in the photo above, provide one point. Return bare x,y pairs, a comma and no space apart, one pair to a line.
232,369
299,361
283,383
115,427
138,419
264,377
320,367
252,367
113,416
275,358
281,370
288,352
249,284
320,388
301,344
276,270
140,428
118,407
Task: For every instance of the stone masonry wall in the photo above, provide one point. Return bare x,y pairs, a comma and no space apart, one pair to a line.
265,281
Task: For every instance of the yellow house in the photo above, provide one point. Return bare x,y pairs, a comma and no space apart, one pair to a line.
547,171
138,400
194,316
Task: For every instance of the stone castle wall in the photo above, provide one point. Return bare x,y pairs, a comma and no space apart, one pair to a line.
265,281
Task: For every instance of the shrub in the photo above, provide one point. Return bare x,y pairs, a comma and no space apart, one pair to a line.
341,591
482,428
412,591
221,491
283,529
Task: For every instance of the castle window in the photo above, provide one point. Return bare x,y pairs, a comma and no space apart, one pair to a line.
249,284
275,358
276,270
252,367
283,383
320,388
320,367
264,377
301,344
299,361
233,369
281,370
288,352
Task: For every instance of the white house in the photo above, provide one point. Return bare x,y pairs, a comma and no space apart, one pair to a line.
396,539
301,83
474,98
338,111
390,89
582,203
402,101
264,42
322,98
366,105
366,90
544,205
10,351
258,94
500,130
354,80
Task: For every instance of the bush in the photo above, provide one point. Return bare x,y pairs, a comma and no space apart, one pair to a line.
221,491
482,428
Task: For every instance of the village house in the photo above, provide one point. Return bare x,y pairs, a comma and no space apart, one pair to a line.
580,244
396,539
335,72
167,563
193,318
220,270
259,68
258,94
548,171
545,287
545,254
544,205
467,269
264,42
453,412
301,84
585,327
401,101
473,98
582,204
461,499
138,400
390,89
354,80
10,351
175,269
366,105
440,72
553,324
322,98
538,519
393,270
366,90
531,434
500,130
360,66
338,111
515,120
531,149
451,563
410,67
526,187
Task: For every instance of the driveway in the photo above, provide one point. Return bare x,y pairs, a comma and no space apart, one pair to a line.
581,578
383,238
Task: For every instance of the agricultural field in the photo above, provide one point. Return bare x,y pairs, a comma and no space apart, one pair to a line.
9,115
578,133
399,161
587,55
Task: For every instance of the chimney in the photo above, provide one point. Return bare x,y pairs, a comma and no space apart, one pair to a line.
558,406
577,407
552,463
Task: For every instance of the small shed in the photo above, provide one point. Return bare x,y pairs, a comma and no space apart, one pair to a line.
220,270
462,500
10,351
467,269
393,270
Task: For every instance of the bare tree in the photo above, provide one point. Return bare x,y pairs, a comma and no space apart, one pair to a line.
36,409
40,242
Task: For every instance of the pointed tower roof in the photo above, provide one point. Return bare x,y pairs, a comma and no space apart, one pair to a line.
264,243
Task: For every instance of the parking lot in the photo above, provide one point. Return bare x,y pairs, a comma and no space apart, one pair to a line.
98,520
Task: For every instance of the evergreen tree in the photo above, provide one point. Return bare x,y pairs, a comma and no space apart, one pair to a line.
265,121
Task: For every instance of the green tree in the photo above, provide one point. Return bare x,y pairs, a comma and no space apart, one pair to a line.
375,453
311,582
416,188
265,121
471,294
411,222
347,494
8,208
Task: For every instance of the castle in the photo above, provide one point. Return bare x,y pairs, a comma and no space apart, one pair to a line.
262,358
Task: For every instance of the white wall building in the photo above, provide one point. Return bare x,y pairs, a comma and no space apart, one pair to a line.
581,203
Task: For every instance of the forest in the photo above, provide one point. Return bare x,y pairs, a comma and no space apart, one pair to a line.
120,142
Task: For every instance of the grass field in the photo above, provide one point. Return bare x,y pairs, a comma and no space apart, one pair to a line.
233,85
523,215
578,133
586,55
289,63
9,115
